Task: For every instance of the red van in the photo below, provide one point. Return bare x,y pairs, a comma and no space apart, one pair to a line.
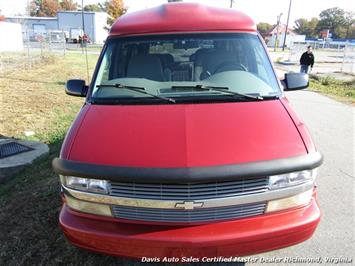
186,144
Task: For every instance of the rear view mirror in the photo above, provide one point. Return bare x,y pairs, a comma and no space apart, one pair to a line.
296,81
76,87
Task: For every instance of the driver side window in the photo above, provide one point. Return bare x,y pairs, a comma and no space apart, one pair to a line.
260,63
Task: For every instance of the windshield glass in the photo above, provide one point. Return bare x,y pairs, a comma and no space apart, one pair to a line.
178,66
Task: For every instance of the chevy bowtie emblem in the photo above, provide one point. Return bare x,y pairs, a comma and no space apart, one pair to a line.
188,205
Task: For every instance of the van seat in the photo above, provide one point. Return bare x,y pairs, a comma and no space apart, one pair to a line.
145,66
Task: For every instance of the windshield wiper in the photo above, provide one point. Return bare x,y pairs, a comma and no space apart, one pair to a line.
136,89
271,97
200,87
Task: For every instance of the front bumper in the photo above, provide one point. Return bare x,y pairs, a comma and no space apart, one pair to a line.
230,238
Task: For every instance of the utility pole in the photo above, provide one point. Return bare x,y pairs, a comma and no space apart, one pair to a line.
82,24
231,3
82,15
288,19
277,31
84,45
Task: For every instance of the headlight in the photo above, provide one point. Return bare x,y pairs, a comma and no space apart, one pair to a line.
86,184
88,207
290,202
291,179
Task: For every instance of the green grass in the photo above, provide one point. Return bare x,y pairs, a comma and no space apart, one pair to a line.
340,90
89,48
34,99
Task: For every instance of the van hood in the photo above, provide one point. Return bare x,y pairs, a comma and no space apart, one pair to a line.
183,135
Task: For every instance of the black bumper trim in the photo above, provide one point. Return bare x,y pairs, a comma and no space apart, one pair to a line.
189,174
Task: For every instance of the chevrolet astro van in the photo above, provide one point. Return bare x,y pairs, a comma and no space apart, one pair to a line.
186,144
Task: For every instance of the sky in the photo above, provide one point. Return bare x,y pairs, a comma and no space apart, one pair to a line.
258,10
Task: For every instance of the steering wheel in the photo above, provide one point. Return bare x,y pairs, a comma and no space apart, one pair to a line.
224,66
229,65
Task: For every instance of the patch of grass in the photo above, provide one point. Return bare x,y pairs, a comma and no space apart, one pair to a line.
279,59
340,90
23,60
34,100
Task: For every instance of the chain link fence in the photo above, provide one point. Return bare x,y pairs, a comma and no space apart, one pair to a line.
42,46
38,47
296,50
46,41
348,64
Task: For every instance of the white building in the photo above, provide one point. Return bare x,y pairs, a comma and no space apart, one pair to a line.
279,31
10,37
68,21
94,22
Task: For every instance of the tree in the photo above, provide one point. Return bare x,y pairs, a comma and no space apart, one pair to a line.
49,8
33,7
94,8
334,19
114,9
308,28
301,26
351,32
339,22
43,8
68,5
350,25
264,27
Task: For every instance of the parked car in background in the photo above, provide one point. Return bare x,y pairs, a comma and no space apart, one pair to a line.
186,144
74,35
57,36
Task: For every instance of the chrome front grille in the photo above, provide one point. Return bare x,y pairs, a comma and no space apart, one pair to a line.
196,215
200,191
191,193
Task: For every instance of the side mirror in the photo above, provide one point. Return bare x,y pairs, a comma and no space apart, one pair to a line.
76,87
296,81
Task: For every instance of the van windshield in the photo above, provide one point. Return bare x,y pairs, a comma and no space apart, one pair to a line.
184,66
